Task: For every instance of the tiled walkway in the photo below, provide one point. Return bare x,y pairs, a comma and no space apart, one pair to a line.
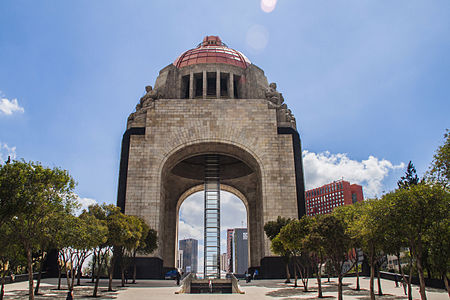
257,289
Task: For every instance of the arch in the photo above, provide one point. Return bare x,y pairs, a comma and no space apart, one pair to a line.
175,189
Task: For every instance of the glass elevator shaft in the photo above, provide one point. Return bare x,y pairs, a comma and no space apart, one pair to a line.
211,267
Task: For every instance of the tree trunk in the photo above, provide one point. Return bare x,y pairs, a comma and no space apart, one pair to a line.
68,274
295,272
2,292
319,284
340,287
73,279
110,273
94,261
134,273
446,284
38,282
423,295
372,275
401,272
30,274
288,274
59,276
122,273
409,281
380,292
358,287
97,278
79,274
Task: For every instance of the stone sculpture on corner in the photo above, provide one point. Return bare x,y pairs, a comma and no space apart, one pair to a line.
150,95
275,98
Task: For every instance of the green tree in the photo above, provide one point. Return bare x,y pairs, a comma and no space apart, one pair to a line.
293,237
11,254
147,244
370,228
419,209
272,229
130,245
315,243
440,167
43,193
337,246
410,177
120,231
349,214
98,214
439,256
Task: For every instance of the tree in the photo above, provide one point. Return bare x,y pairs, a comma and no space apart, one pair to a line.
98,215
42,193
130,245
315,244
370,228
439,256
12,185
396,241
293,238
272,229
440,167
11,254
410,177
418,210
349,214
147,244
337,246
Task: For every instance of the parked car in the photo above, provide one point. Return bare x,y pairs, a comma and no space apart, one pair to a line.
172,274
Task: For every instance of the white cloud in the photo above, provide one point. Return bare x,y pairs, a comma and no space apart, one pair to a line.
6,151
322,168
8,107
84,203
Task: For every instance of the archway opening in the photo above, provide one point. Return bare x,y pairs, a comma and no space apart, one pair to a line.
182,175
235,251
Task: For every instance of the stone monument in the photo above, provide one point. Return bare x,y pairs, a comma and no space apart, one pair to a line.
212,103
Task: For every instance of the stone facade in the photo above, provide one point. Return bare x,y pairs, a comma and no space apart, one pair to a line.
174,122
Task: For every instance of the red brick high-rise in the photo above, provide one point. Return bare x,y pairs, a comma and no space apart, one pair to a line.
324,199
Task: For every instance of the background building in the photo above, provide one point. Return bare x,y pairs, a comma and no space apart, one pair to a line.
240,250
180,259
223,262
229,265
324,199
190,255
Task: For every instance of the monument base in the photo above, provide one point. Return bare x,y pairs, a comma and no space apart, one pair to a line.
272,267
146,268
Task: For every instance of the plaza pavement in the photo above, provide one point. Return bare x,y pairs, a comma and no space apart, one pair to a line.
257,289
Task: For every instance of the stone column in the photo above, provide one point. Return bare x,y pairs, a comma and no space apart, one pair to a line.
204,84
231,86
218,84
191,85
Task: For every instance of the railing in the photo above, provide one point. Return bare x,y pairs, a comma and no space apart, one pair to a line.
235,286
186,284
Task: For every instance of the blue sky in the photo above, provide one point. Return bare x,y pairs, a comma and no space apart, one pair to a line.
368,81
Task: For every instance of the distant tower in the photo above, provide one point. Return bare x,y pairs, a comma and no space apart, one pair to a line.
190,255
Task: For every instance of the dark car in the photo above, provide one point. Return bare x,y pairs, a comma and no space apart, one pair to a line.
171,274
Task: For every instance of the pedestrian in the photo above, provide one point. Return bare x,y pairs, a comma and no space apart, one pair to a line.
248,277
396,280
178,275
255,273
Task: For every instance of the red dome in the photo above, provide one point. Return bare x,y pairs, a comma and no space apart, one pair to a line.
212,50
